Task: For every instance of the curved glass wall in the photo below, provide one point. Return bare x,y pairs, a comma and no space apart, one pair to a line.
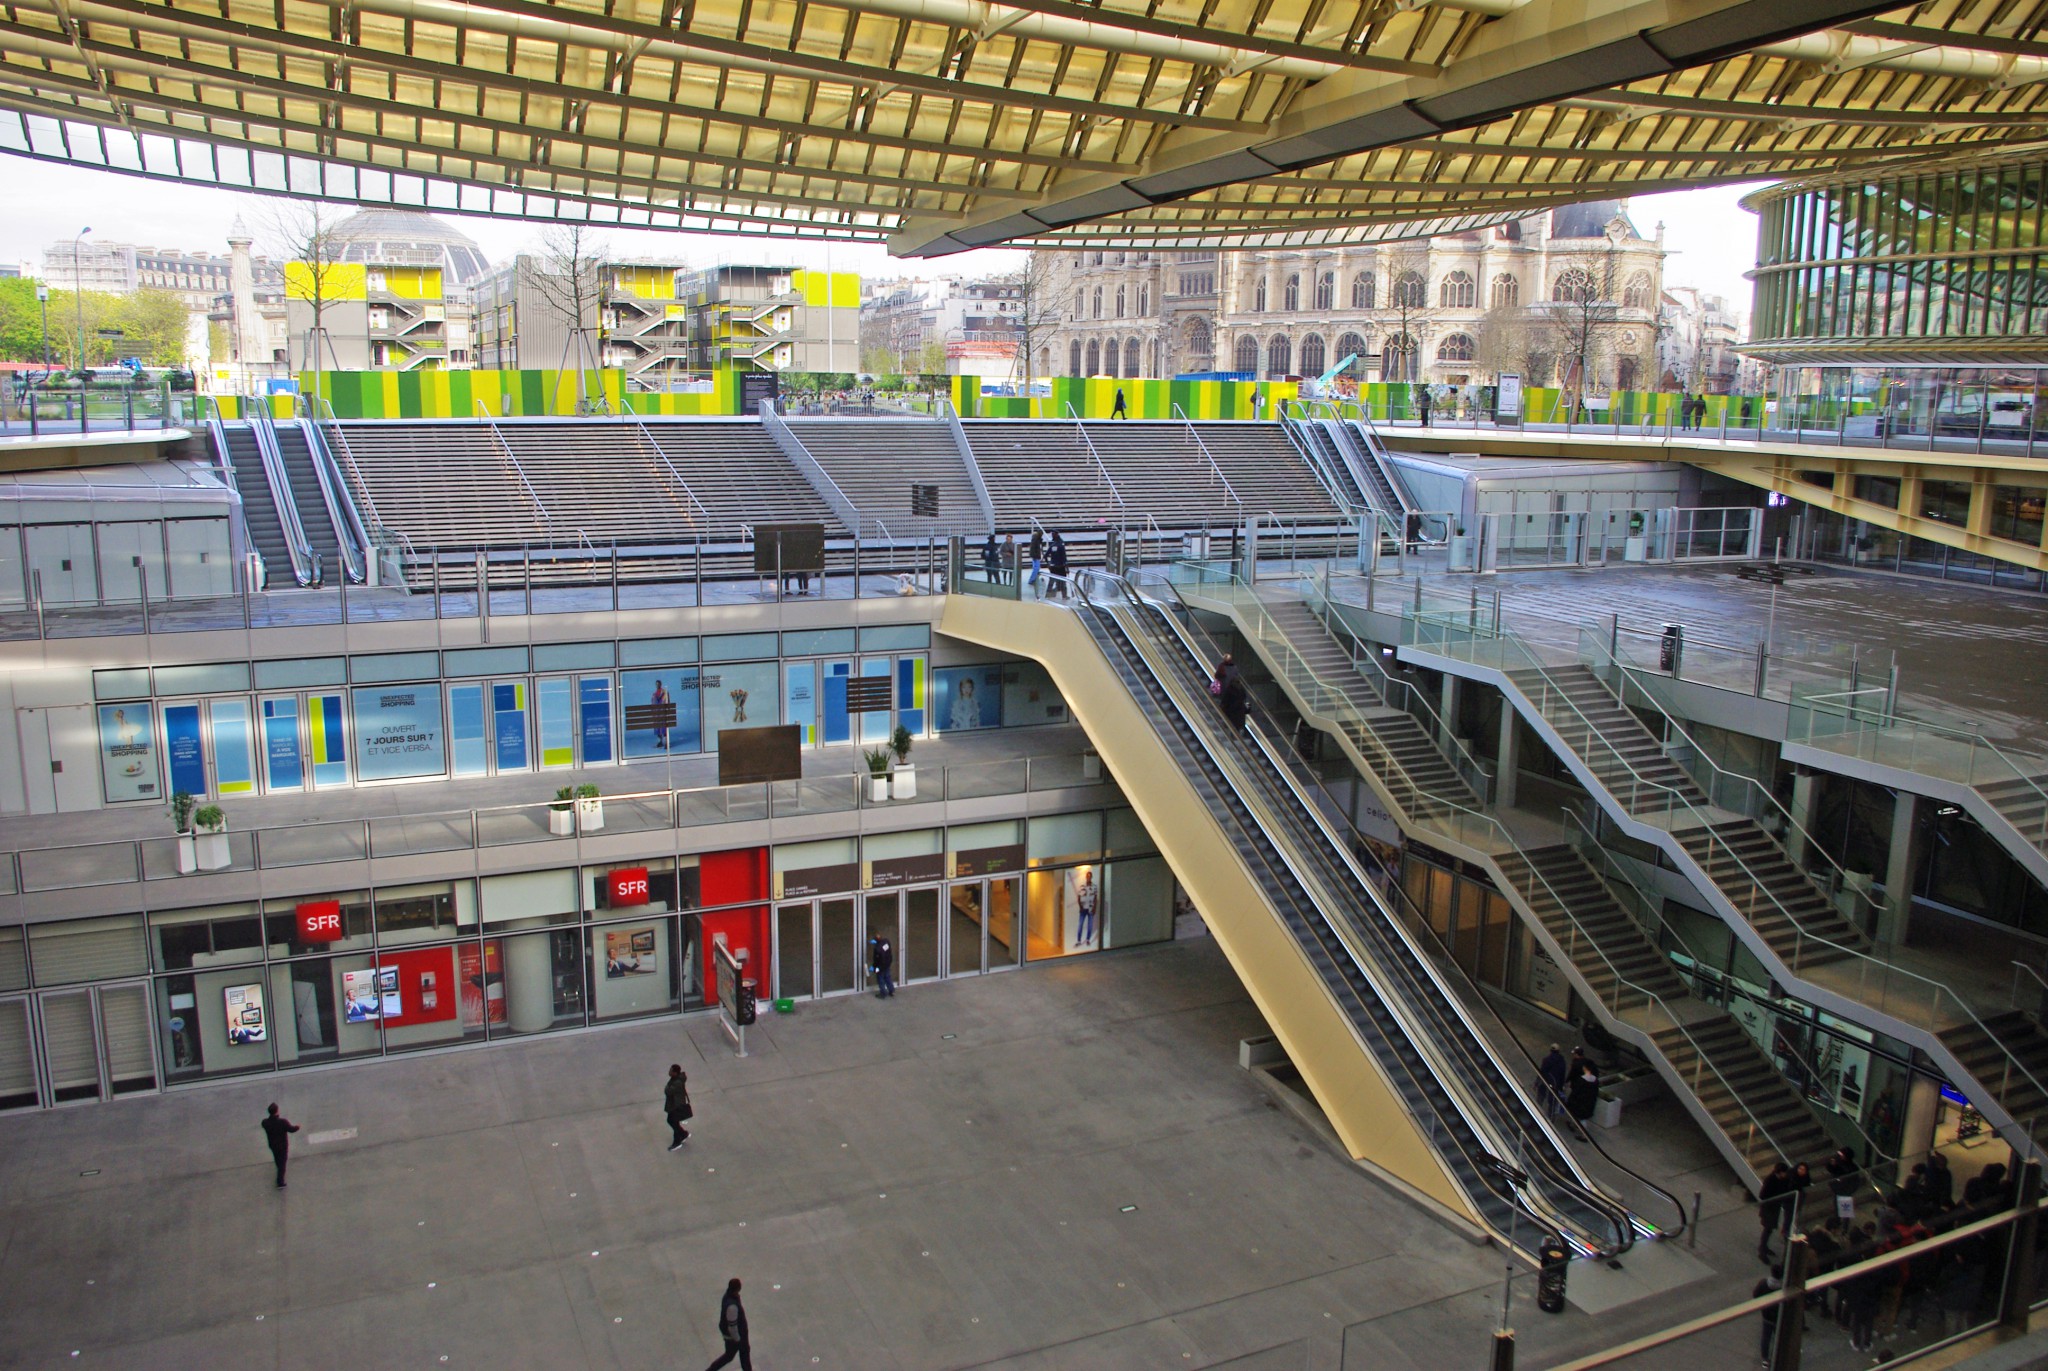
1942,266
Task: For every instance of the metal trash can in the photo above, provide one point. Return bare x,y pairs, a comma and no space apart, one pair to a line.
1551,1278
1670,648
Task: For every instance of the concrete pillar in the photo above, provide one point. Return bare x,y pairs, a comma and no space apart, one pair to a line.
1802,814
1896,918
530,982
1449,710
1509,756
1916,1137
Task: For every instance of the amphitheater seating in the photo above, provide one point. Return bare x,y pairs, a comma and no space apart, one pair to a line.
1038,468
440,484
875,461
1159,469
734,468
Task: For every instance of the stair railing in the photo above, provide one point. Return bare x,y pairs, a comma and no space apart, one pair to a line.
350,538
800,457
1123,510
951,417
1215,469
505,449
703,515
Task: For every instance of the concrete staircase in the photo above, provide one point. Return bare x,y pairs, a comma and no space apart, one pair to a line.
1990,1051
1609,738
2023,803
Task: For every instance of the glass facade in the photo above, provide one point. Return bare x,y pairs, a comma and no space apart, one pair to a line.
1941,265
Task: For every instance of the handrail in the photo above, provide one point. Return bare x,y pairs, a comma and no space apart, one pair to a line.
946,412
2041,1000
660,452
349,538
800,457
1096,457
517,470
1676,806
1297,433
1214,469
1446,1048
334,423
305,562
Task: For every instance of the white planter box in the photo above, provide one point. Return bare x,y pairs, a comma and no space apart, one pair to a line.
878,789
1607,1113
903,782
188,854
562,822
590,815
1635,548
211,849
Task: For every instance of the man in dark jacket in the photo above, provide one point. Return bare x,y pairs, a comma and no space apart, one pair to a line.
1554,1074
1056,564
885,969
1773,1204
675,1102
277,1131
732,1326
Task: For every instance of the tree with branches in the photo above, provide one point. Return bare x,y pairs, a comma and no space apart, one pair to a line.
1038,284
303,237
571,278
1584,306
1406,300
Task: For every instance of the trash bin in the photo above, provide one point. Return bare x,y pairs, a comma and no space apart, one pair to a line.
1550,1279
1670,648
1194,546
1607,1111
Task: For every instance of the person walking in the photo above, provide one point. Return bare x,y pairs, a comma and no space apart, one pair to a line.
1056,564
1773,1202
675,1102
1037,551
1583,1094
1235,698
990,558
885,969
1423,400
1118,411
277,1131
1553,1072
1009,558
732,1326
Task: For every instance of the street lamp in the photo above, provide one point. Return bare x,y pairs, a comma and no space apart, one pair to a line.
43,299
78,292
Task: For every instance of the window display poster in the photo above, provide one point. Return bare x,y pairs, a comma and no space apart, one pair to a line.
1082,896
508,719
557,724
594,717
628,952
967,697
128,753
466,749
245,1014
183,749
360,1002
910,694
480,978
234,761
324,740
1029,696
417,987
737,695
800,699
398,732
659,694
283,767
838,725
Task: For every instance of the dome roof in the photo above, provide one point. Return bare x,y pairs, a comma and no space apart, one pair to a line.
410,237
1590,220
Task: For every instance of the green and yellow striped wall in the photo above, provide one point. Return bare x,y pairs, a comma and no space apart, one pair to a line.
1094,397
496,394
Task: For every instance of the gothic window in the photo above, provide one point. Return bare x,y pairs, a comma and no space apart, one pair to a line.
1361,291
1312,362
1456,347
1094,359
1133,356
1119,299
1625,374
1291,298
1259,297
1144,299
1098,302
1410,291
1574,287
1326,290
1637,294
1199,347
1074,358
1507,291
1279,356
1457,291
1248,355
1080,303
1109,358
1397,362
1350,345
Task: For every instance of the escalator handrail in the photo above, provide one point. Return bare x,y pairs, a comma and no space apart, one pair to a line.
304,559
350,539
1455,1038
1429,1049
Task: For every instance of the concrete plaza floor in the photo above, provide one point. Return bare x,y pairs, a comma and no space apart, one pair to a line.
1059,1167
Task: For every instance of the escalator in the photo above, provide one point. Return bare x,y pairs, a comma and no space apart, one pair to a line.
1490,1137
309,499
241,457
1323,452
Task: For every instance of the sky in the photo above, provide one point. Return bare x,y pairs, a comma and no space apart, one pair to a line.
1712,239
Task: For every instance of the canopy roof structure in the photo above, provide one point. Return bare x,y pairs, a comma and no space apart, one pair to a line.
938,125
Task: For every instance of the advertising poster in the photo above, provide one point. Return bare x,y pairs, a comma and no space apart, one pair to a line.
800,699
739,695
911,686
836,723
466,733
1083,899
245,1014
1508,399
508,720
183,750
234,758
594,718
128,754
480,975
628,952
1029,696
557,723
649,697
398,732
283,767
324,740
967,697
417,987
360,1002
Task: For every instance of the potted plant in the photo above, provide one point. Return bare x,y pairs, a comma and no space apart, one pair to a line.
562,813
903,785
878,773
589,809
182,805
210,838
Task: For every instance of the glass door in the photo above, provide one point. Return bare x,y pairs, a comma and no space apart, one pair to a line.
966,902
921,951
841,953
71,1055
284,754
17,1056
96,1043
1004,923
883,914
796,951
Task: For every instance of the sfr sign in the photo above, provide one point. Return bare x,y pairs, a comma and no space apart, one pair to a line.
628,886
320,921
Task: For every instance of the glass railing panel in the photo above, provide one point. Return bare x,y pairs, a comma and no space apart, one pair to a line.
636,813
308,844
722,805
66,868
1061,773
404,834
514,824
807,795
968,780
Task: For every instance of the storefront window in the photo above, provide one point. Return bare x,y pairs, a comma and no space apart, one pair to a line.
1063,912
542,980
634,968
398,732
205,937
661,711
426,913
313,923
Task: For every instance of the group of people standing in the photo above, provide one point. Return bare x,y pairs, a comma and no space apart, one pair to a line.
1692,411
1573,1085
1044,565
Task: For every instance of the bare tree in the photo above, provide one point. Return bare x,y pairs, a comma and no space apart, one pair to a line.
1038,315
1406,300
1584,305
572,281
1507,341
303,237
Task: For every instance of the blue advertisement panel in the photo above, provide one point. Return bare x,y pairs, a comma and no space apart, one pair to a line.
398,732
800,699
324,740
967,697
911,685
508,722
128,753
648,696
594,710
234,758
184,750
466,748
557,723
284,766
838,724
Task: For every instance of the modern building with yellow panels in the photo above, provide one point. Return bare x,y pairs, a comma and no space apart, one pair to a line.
772,318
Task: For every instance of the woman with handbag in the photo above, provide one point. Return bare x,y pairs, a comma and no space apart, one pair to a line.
675,1099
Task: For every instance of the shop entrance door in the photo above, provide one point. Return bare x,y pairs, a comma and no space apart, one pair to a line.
95,1043
909,919
983,931
18,1088
817,948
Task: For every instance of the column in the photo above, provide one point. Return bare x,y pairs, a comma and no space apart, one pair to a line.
1896,917
1449,709
529,978
1803,782
1916,1137
1508,757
